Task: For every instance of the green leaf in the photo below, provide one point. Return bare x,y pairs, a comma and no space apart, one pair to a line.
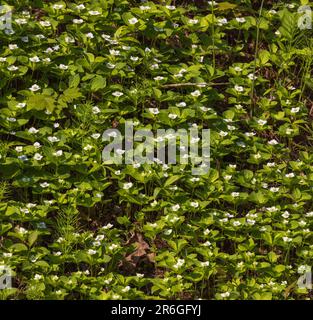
171,180
4,227
267,237
272,257
18,247
32,237
98,83
279,268
222,6
41,102
74,81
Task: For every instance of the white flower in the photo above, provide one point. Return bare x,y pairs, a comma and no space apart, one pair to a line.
134,58
273,142
107,226
114,52
113,246
33,130
154,110
133,21
286,239
222,21
58,253
172,116
295,110
45,23
271,164
117,94
143,8
63,67
21,21
87,147
309,214
251,76
196,93
57,6
12,68
303,268
7,254
251,222
236,223
38,156
194,204
170,7
128,185
18,149
58,153
205,264
44,184
225,294
272,209
89,35
175,207
235,194
53,139
49,50
78,21
91,252
238,69
277,32
239,88
223,133
290,175
180,263
181,104
96,110
21,105
154,66
126,289
100,237
13,46
37,276
193,21
95,136
158,78
94,13
110,65
34,88
274,189
34,59
272,11
241,20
